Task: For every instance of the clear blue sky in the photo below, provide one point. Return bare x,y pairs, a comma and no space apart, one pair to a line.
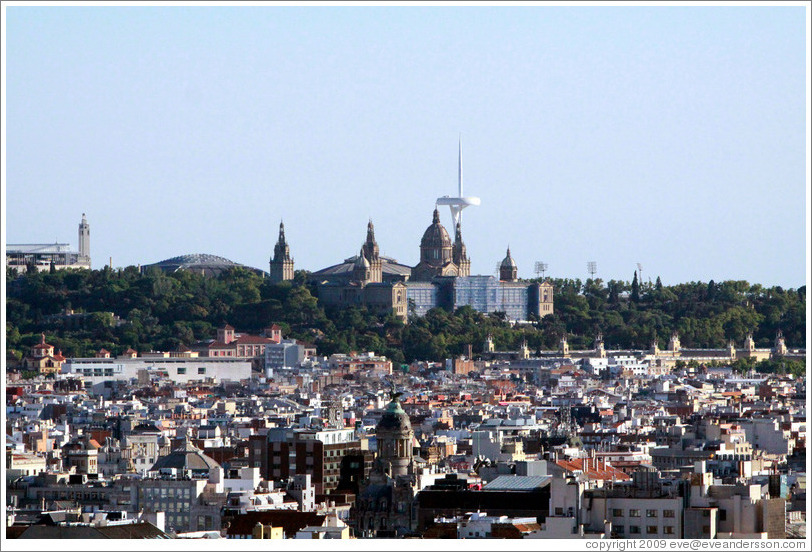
670,136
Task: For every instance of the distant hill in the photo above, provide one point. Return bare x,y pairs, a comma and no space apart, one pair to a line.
160,311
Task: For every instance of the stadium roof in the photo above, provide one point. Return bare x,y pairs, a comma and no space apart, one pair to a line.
203,263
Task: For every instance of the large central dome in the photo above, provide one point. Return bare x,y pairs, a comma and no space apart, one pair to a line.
186,457
394,418
435,253
435,235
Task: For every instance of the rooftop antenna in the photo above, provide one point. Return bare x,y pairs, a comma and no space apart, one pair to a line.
640,272
457,204
541,267
592,267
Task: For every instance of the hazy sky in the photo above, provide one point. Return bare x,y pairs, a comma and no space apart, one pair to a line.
670,136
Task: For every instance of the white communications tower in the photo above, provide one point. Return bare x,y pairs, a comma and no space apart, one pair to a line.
457,204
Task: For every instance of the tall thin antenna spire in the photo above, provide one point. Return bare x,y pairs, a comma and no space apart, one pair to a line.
460,162
457,204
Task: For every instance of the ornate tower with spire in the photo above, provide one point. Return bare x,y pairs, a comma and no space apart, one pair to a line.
372,253
394,434
600,349
674,344
459,254
281,262
780,347
84,241
361,270
749,344
508,271
563,346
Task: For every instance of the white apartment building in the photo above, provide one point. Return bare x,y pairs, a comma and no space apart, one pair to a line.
179,370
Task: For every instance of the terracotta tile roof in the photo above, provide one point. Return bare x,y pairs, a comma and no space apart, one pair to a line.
253,340
594,469
221,345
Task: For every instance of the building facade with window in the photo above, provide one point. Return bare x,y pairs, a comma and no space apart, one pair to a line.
442,278
42,256
286,452
178,370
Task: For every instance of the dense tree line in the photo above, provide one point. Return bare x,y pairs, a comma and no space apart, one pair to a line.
706,315
161,311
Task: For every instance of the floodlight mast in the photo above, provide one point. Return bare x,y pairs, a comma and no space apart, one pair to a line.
457,204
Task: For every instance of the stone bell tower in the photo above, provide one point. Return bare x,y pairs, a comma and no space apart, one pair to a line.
281,262
84,242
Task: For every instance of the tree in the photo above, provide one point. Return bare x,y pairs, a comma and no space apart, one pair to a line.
635,289
711,293
161,311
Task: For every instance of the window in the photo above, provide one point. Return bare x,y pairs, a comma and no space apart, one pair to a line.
668,513
617,512
634,529
706,529
634,513
559,511
651,530
651,513
668,530
201,370
722,515
705,513
181,371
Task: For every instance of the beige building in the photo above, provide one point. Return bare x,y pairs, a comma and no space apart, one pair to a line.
42,358
281,262
441,279
364,285
261,531
667,359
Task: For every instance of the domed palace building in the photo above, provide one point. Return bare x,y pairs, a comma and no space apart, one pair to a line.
442,278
